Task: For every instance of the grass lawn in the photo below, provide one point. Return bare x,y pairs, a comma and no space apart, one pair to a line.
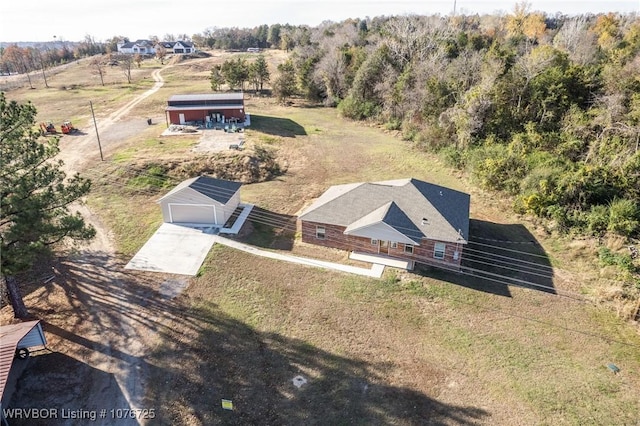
411,348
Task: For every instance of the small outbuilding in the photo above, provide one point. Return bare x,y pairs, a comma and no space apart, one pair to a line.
16,340
206,108
201,200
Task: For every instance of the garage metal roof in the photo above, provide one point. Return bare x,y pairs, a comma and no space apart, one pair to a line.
217,189
201,107
202,97
27,334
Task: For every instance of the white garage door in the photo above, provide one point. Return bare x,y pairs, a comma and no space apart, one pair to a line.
193,213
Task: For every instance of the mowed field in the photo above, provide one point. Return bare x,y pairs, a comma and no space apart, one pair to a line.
411,348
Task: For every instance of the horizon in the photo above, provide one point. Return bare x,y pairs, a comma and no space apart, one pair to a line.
105,20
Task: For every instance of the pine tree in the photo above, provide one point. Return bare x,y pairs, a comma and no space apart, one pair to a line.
259,72
216,78
35,195
285,85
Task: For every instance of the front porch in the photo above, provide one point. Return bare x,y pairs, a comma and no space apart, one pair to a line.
381,259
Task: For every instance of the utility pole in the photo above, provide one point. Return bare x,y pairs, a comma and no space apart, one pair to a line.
96,126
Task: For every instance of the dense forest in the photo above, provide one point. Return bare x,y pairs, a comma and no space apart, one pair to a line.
543,108
546,109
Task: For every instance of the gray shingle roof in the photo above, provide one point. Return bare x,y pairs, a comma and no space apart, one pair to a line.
416,208
217,189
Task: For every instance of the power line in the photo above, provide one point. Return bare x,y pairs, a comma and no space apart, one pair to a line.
509,258
275,220
528,318
509,250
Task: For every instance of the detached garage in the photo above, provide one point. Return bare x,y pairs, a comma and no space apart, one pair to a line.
201,200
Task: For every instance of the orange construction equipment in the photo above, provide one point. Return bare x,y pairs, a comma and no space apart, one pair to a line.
47,128
67,128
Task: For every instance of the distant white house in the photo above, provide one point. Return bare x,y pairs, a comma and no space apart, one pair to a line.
143,47
148,47
181,47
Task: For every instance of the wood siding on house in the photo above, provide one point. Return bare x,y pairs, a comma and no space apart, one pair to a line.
424,253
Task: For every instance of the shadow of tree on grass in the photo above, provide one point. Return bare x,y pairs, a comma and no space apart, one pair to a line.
277,126
204,355
499,256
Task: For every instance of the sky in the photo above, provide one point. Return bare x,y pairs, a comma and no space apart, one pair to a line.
72,20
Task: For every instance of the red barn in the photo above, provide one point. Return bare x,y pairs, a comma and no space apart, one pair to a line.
206,108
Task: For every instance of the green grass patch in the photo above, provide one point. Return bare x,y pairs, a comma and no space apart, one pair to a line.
248,324
131,231
154,176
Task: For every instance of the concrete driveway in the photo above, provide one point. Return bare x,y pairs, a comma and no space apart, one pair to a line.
173,249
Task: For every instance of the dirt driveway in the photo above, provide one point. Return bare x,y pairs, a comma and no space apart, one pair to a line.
99,319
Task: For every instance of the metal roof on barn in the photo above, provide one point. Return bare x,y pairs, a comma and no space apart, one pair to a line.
203,97
10,337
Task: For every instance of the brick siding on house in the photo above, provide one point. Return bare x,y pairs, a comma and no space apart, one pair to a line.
335,238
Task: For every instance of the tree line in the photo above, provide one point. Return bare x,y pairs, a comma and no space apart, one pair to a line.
276,36
545,109
236,72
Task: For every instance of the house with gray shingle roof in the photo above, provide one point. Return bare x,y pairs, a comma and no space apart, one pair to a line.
407,219
148,47
143,47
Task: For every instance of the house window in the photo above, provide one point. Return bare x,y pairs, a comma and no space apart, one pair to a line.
438,250
408,248
374,242
394,244
320,232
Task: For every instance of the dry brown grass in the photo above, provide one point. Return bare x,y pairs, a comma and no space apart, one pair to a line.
408,349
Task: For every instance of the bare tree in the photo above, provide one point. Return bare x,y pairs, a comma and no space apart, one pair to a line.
137,58
331,71
412,37
161,53
98,67
39,57
125,62
575,38
19,59
531,65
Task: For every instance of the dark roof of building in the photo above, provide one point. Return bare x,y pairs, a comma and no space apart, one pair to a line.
203,97
130,44
413,207
214,107
10,336
217,189
184,43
